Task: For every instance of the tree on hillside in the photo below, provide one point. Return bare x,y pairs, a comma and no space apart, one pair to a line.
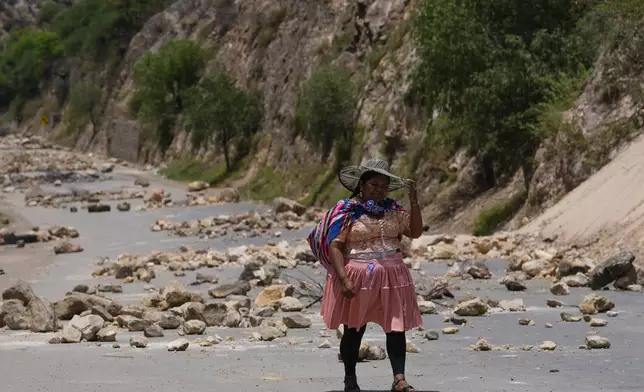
488,65
95,26
326,111
84,104
220,112
25,60
162,79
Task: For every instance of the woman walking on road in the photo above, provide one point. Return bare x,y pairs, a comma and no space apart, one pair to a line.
358,241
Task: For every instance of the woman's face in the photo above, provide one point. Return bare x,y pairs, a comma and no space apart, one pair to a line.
376,188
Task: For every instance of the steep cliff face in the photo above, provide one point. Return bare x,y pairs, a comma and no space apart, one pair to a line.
273,57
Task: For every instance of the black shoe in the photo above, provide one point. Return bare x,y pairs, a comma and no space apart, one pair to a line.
351,384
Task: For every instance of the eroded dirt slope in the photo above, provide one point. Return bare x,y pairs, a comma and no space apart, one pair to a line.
607,210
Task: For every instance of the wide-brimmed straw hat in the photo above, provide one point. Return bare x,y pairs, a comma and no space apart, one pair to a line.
350,175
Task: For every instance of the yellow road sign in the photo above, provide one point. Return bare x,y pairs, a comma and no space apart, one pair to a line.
44,120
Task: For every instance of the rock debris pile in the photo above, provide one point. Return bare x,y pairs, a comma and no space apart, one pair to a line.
61,234
529,258
261,301
159,198
43,157
20,181
85,315
88,199
31,161
250,224
257,261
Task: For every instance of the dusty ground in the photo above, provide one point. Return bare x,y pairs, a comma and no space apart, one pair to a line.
295,363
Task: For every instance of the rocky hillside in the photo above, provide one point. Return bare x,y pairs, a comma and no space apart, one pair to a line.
90,86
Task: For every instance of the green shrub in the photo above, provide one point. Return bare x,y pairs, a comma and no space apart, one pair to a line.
326,111
192,170
492,218
617,27
84,105
48,12
95,27
26,58
267,185
162,80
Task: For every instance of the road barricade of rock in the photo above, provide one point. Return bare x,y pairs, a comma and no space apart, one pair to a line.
37,197
251,224
54,233
529,257
261,262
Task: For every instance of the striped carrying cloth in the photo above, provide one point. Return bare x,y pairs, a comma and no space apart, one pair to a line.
334,221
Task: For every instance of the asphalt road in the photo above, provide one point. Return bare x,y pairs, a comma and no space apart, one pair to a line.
294,363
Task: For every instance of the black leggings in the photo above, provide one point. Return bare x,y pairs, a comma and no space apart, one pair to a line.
350,348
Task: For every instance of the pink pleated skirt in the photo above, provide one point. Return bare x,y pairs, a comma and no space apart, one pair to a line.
385,295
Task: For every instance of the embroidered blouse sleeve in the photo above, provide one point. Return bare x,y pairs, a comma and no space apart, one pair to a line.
404,222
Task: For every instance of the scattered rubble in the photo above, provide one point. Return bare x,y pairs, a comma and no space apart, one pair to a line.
54,233
35,196
93,317
470,268
85,314
32,161
250,224
89,314
261,264
529,257
158,198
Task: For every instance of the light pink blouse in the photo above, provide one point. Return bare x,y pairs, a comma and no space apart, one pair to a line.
369,234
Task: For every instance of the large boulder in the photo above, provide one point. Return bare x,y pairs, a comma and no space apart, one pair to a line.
41,316
223,195
197,186
273,294
473,307
593,304
571,267
282,204
21,291
15,315
175,294
240,287
77,303
612,269
88,326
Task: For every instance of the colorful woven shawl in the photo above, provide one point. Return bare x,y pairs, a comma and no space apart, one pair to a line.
338,218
